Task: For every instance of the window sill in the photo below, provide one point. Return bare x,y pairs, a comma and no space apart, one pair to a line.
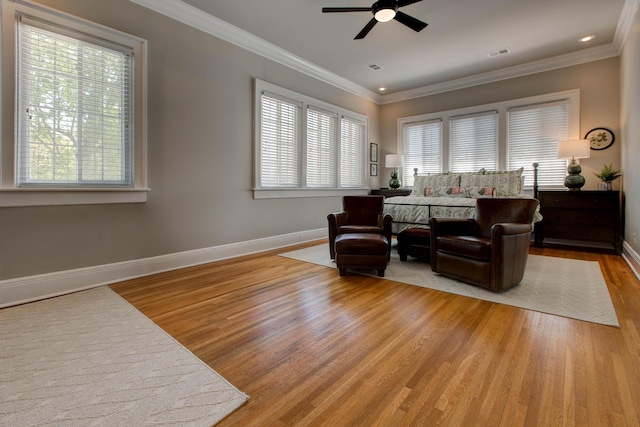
18,197
285,193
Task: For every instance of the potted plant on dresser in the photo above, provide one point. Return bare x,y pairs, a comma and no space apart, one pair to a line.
608,174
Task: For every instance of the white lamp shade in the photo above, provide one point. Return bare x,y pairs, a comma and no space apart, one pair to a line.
574,149
393,160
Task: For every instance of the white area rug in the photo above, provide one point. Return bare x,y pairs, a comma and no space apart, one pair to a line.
91,358
564,287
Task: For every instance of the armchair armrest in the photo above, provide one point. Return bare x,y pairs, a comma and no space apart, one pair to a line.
335,220
509,249
509,228
385,222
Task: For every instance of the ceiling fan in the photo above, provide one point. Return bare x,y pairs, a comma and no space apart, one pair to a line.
383,11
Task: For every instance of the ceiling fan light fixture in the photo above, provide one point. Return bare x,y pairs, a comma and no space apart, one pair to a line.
385,15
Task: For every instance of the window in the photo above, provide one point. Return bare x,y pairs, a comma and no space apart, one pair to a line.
468,139
473,142
305,147
79,109
533,133
422,148
280,148
321,148
352,156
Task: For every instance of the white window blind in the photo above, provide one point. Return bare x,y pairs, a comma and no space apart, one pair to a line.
321,148
352,153
422,149
74,110
280,142
533,135
473,142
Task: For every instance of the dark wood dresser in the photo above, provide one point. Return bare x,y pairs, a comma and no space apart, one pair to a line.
390,192
588,220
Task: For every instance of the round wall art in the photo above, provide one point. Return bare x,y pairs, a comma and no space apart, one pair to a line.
600,138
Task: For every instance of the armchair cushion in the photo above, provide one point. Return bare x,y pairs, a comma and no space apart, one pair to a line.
470,246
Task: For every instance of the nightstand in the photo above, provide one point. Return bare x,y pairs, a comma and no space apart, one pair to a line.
390,192
588,220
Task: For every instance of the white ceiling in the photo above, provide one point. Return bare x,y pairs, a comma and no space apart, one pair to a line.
454,47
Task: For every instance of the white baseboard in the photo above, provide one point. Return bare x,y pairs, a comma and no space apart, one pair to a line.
632,258
32,288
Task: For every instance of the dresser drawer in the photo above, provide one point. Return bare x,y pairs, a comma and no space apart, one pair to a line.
593,217
578,200
579,232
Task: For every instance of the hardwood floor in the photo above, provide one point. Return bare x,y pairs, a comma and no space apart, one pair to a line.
312,348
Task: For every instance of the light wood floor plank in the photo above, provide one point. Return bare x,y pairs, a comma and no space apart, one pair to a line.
312,348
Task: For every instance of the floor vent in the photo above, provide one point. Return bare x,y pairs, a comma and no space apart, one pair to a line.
374,67
498,52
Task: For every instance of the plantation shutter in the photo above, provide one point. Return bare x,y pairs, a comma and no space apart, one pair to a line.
280,142
473,142
422,148
74,110
352,154
321,148
533,135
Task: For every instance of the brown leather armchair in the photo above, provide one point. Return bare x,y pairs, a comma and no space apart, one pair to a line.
490,250
360,214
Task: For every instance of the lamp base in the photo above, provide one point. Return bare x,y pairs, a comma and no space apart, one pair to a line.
394,182
574,181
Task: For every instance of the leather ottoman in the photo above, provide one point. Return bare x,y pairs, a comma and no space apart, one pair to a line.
415,242
362,251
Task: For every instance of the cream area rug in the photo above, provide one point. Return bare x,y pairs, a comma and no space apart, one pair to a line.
92,359
563,287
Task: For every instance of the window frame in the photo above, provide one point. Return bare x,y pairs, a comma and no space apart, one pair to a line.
307,102
10,194
571,96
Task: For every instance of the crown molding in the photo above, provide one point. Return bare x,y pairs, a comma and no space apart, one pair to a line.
625,22
548,64
200,20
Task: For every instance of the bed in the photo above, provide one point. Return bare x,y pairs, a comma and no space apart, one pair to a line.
454,195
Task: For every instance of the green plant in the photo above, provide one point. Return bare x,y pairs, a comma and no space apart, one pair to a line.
608,173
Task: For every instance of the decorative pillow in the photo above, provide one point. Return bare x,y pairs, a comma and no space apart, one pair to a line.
438,180
505,184
443,191
478,192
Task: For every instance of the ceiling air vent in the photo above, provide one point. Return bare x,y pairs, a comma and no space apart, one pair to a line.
374,67
498,52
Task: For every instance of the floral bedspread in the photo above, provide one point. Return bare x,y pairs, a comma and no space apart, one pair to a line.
415,211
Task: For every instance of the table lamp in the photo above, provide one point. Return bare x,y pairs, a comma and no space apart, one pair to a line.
394,161
574,149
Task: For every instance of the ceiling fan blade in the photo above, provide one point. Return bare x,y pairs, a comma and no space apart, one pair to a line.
345,9
366,29
410,21
407,2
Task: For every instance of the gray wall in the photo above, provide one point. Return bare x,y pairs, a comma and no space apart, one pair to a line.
201,148
200,151
630,70
599,105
